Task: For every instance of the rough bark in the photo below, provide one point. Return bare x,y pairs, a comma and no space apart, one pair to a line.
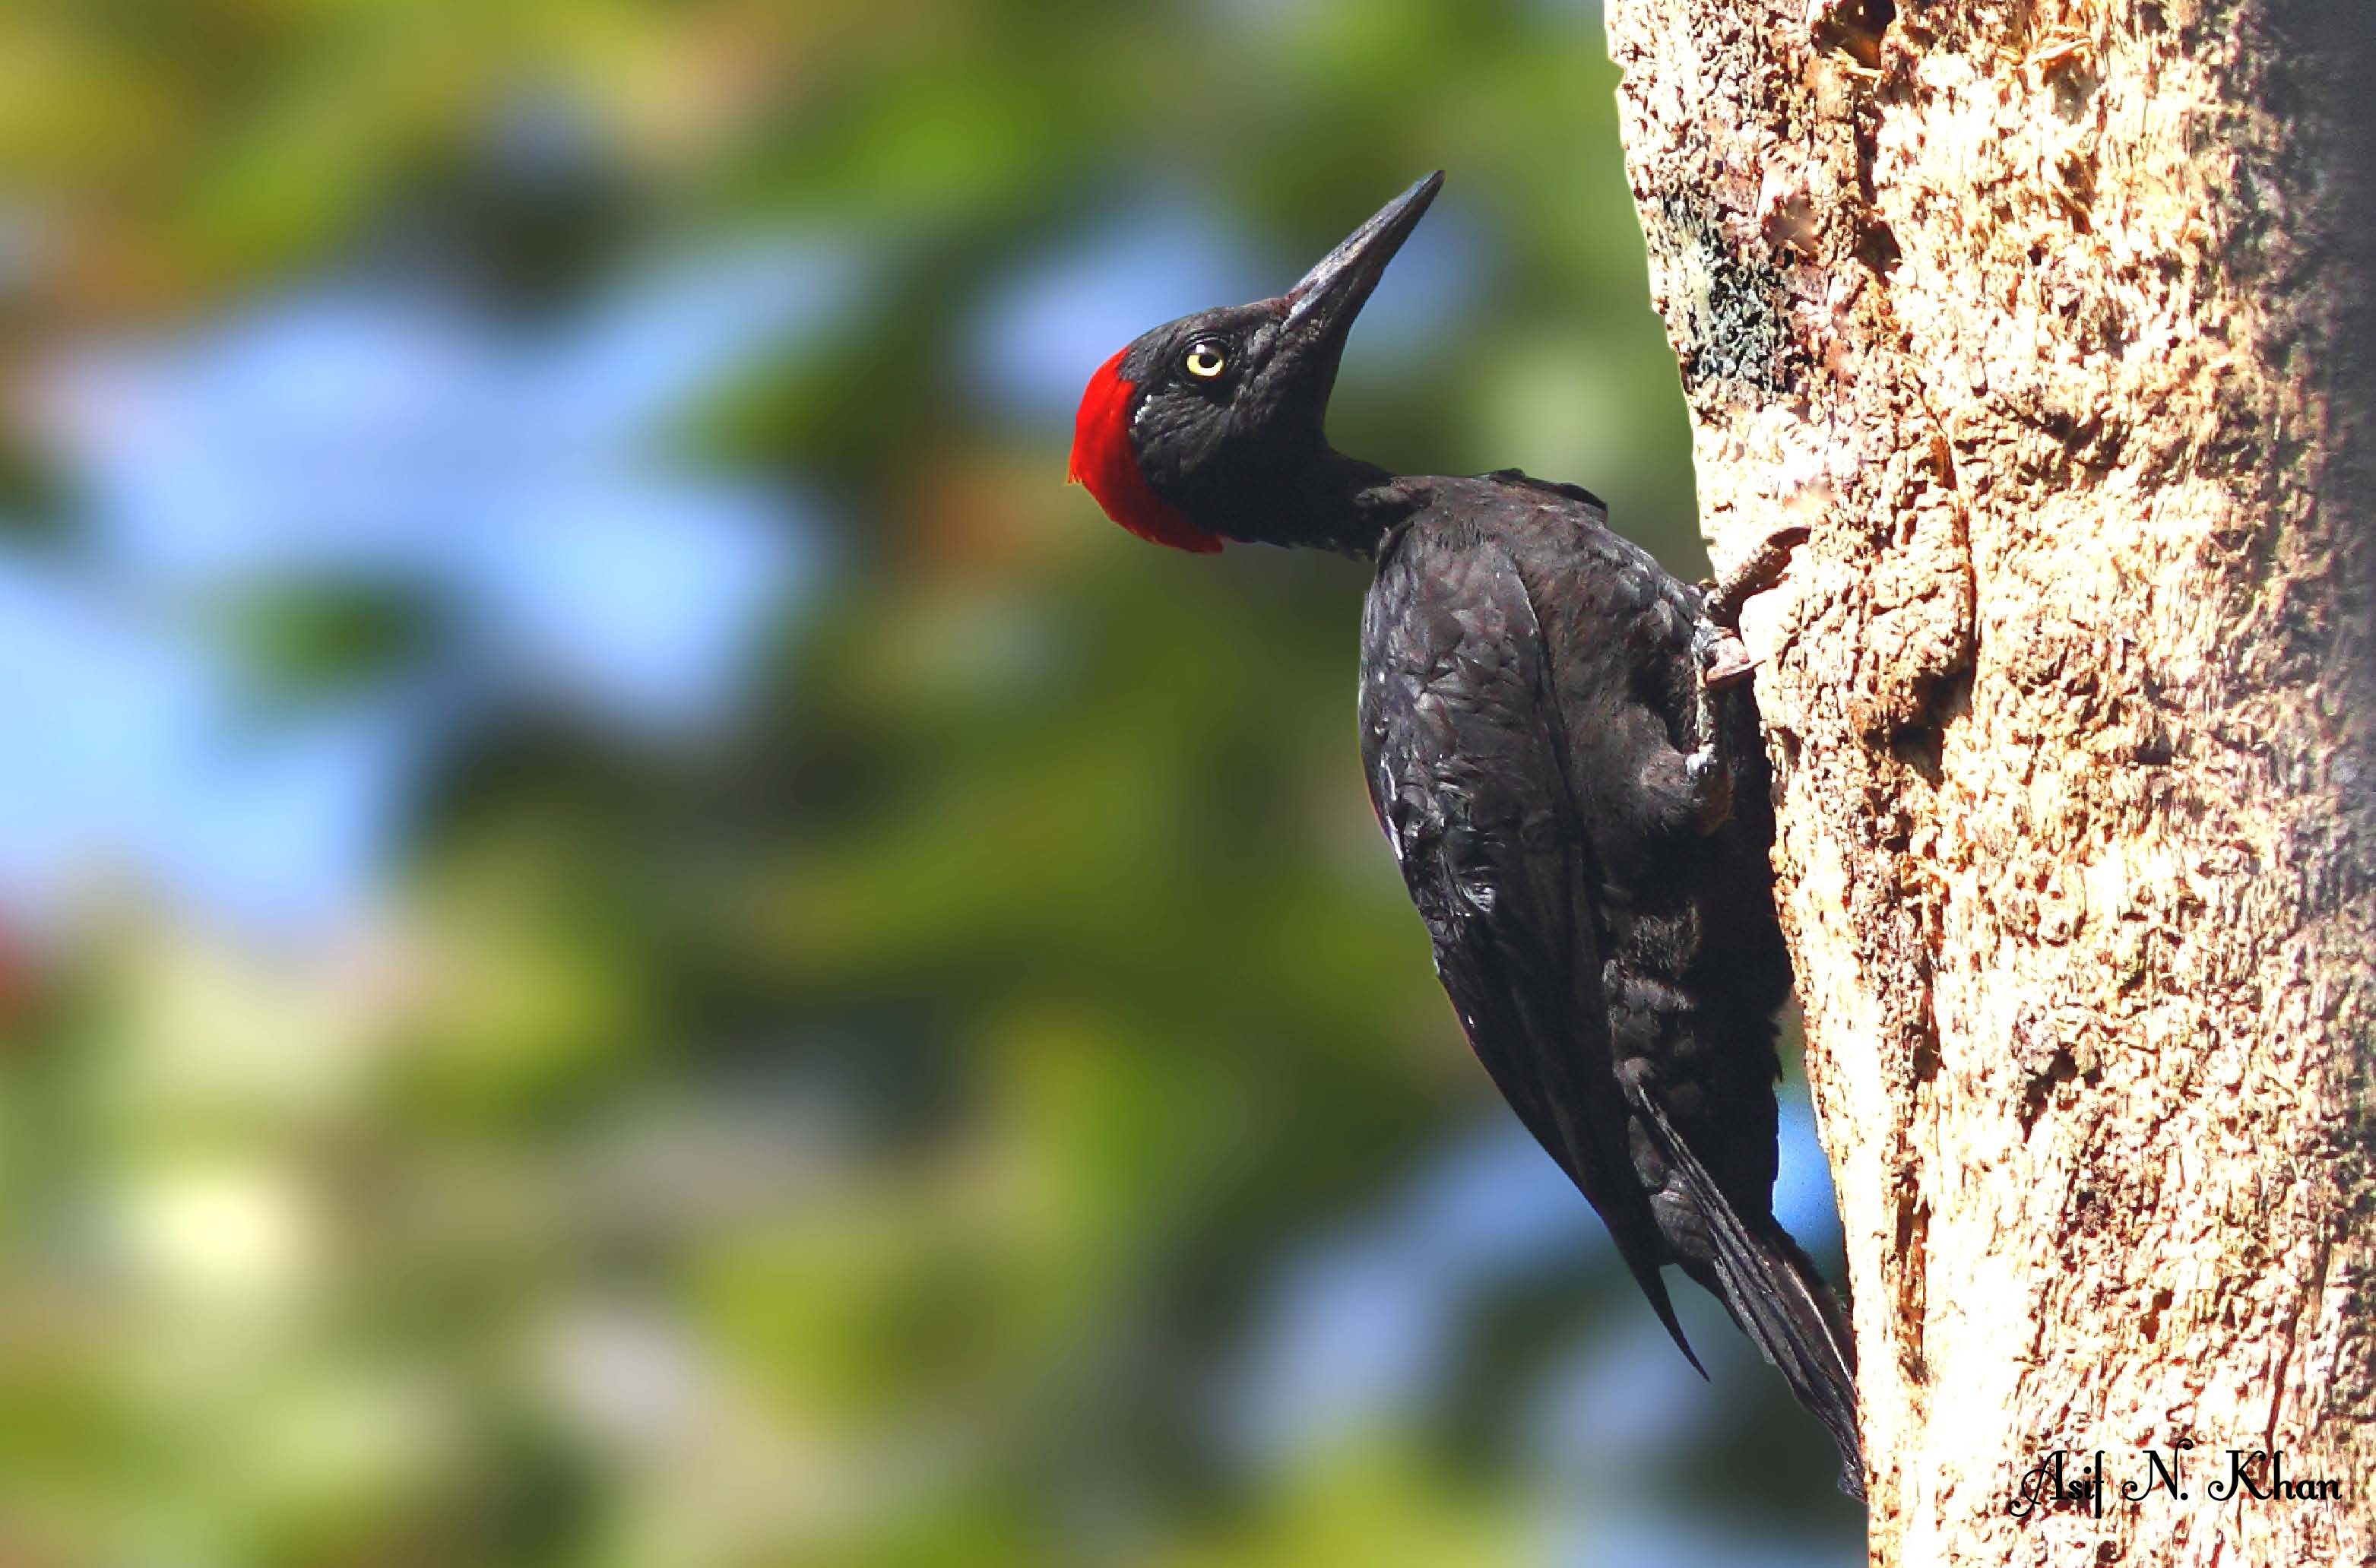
2047,321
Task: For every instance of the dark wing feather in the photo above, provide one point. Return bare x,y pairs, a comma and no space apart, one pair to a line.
1521,479
1465,769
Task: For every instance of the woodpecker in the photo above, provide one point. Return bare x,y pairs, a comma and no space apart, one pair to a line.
1563,751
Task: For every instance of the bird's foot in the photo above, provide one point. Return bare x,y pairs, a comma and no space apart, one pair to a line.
1753,575
1725,663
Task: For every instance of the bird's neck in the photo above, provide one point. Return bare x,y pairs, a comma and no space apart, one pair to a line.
1332,501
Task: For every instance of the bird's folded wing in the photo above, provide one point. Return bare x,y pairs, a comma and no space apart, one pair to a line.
1467,773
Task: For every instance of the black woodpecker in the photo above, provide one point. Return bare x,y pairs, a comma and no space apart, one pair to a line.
1564,753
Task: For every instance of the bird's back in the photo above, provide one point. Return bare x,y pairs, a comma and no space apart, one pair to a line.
1692,966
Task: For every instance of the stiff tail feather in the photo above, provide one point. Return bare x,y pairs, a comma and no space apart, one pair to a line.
1780,1302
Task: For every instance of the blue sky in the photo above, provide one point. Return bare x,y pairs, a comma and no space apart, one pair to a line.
370,431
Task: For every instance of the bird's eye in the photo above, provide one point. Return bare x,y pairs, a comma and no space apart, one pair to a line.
1204,360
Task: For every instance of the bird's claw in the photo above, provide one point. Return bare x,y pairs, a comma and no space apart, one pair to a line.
1725,663
1753,575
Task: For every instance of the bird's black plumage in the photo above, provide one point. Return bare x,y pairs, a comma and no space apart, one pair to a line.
1560,749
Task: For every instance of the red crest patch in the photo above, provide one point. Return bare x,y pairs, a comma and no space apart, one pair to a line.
1102,459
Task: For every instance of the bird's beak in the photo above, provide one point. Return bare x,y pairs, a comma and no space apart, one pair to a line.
1316,316
1322,305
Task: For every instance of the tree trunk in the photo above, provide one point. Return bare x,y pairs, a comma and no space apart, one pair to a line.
2048,322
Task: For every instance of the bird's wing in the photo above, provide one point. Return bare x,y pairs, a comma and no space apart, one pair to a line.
1467,772
1522,479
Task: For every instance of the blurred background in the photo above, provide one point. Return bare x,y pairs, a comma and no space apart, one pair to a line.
628,937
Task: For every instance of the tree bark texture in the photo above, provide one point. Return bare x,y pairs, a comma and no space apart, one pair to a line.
2048,322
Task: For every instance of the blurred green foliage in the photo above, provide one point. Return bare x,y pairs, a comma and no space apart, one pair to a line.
867,1137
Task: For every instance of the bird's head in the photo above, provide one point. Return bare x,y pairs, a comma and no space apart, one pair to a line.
1205,427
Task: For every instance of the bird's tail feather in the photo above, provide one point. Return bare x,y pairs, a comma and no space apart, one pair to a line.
1773,1292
